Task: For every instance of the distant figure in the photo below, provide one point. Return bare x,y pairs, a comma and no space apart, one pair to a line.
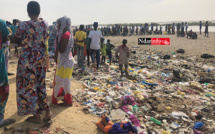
166,27
13,28
178,28
206,28
152,27
186,26
123,56
160,29
173,28
182,28
200,27
137,30
190,34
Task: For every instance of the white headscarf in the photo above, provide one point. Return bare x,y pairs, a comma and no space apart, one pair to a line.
65,23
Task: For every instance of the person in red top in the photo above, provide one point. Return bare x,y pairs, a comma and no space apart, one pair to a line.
122,54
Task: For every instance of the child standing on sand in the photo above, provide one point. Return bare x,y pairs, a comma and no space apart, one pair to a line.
123,56
103,50
109,48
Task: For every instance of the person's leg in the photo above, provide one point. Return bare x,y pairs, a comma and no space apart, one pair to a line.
81,55
78,54
110,58
92,55
4,93
16,51
126,70
104,59
98,57
42,100
120,68
88,57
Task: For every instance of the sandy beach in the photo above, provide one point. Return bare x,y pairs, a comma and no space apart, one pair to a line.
73,119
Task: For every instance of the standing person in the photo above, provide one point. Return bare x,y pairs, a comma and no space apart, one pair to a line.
109,52
182,29
65,62
94,38
206,28
173,28
152,29
80,37
4,85
88,48
186,26
136,30
200,27
6,47
31,68
13,28
52,37
124,53
103,50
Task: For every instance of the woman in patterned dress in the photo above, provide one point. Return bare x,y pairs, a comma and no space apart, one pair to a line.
31,68
65,62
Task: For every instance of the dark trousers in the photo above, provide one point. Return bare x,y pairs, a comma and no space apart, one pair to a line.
97,56
88,57
110,57
103,59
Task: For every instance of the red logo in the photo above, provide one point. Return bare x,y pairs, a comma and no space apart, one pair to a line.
160,41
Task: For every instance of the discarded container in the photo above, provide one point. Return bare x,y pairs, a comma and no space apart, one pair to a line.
198,125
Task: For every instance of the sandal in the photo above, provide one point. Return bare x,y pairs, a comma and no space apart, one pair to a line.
32,119
7,122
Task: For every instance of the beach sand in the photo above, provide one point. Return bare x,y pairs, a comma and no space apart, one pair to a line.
72,119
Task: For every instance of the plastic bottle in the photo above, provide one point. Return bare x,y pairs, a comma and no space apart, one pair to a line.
155,121
135,108
198,125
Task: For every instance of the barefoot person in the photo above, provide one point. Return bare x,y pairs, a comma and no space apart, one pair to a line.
4,85
65,62
31,68
123,56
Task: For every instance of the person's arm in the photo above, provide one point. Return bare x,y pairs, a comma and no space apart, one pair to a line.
56,51
116,54
129,52
112,47
19,34
62,45
90,39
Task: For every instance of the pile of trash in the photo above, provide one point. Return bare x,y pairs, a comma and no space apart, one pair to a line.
165,93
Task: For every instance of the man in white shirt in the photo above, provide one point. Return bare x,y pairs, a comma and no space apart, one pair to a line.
94,39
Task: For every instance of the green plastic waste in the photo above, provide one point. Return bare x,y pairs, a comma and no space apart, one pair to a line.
135,108
173,52
208,95
155,121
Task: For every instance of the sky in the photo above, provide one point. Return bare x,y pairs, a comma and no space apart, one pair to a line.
112,11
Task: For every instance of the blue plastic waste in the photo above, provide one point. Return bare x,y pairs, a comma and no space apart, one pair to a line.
150,84
198,125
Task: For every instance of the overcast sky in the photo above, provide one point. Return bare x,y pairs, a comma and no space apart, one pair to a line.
113,11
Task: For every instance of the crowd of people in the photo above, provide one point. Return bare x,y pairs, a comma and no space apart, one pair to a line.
37,47
145,29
